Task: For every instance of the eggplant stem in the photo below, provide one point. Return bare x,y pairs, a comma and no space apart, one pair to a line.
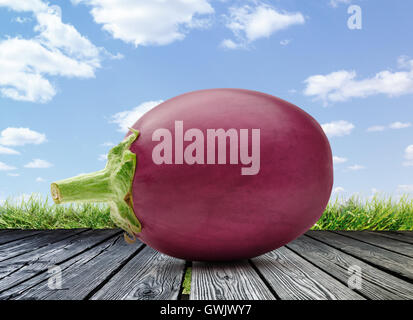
112,185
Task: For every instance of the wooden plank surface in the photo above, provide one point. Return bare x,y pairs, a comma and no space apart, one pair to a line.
18,269
36,241
7,236
376,284
149,275
394,235
294,278
98,264
382,258
227,281
380,241
80,275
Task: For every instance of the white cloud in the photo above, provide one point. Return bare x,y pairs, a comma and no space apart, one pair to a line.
400,125
339,160
395,126
376,129
4,150
38,164
58,49
342,85
22,20
126,119
229,44
144,22
40,179
13,174
103,157
285,42
261,21
108,144
5,167
338,128
339,190
356,167
408,155
336,3
20,137
26,5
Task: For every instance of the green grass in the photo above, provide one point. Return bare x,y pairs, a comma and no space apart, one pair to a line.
377,213
186,285
37,213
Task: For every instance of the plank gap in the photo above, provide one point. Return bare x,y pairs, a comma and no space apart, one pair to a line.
372,264
114,272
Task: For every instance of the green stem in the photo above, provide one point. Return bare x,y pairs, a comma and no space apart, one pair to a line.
93,187
112,185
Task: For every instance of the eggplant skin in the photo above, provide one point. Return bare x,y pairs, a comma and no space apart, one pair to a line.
207,212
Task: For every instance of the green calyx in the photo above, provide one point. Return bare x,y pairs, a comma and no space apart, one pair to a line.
112,185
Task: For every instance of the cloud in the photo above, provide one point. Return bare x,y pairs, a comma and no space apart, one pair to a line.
376,129
4,150
249,24
103,157
22,20
339,190
38,164
40,179
107,144
356,167
229,44
285,42
13,174
338,128
21,136
58,49
400,125
408,155
5,167
126,119
395,126
343,85
143,22
336,3
339,160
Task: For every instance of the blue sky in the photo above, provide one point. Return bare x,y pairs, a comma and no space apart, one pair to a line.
74,73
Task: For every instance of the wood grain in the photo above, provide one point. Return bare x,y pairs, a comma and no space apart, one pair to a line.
382,242
294,278
82,274
227,281
18,269
375,285
150,275
382,258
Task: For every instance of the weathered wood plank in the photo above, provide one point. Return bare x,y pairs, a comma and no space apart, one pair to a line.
376,284
227,281
294,278
394,235
379,241
44,238
149,275
7,236
18,269
80,275
384,259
